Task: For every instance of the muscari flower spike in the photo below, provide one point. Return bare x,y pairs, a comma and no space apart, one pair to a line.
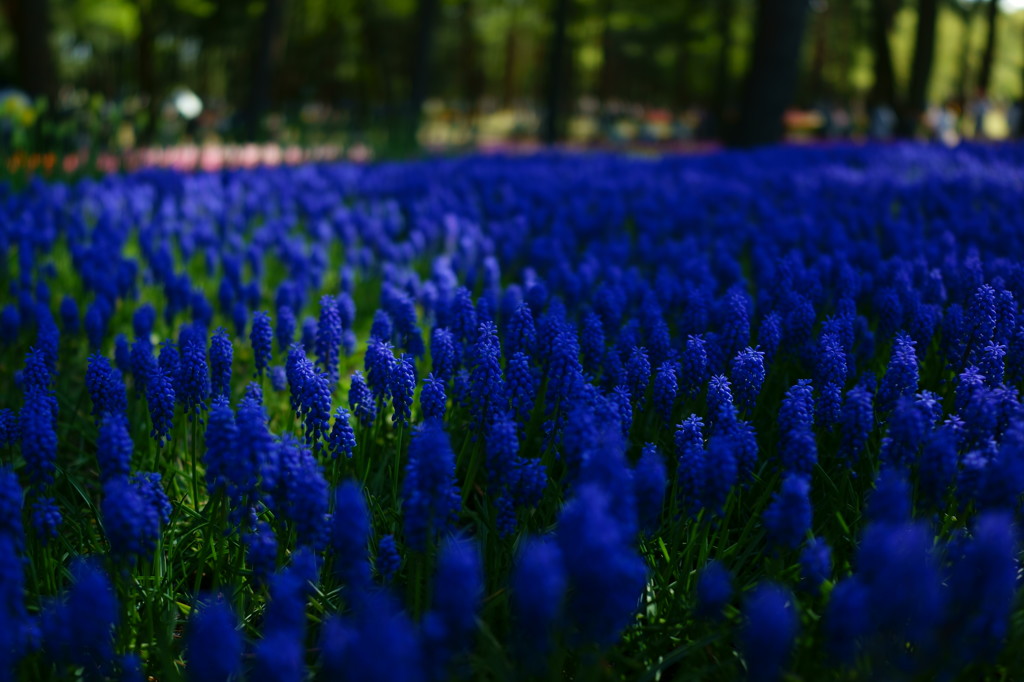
261,337
714,589
430,496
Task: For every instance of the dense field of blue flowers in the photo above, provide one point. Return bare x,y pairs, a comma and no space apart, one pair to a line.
556,417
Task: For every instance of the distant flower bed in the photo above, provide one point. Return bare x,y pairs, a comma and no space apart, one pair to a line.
552,417
182,157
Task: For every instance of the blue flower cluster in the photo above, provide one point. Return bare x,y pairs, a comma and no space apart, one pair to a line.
595,417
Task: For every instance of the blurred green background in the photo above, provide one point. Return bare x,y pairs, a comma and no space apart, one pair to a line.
391,77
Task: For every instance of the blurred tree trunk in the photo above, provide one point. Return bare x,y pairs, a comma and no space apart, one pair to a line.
333,52
985,76
847,43
508,76
374,80
426,19
33,56
772,76
1017,131
819,55
720,103
264,57
606,76
921,69
681,93
469,54
147,70
472,78
967,16
883,92
555,86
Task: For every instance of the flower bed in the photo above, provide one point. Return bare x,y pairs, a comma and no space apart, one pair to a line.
560,417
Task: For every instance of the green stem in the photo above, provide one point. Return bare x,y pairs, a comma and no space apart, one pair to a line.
474,465
397,473
335,465
195,468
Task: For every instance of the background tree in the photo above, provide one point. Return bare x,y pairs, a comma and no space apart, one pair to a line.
362,70
921,69
555,88
724,20
266,49
884,89
992,18
426,18
36,68
771,79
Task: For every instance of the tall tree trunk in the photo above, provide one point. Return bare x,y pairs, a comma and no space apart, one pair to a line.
426,19
819,56
967,15
772,76
555,87
1018,129
508,76
883,92
921,69
374,81
985,76
680,88
847,41
469,51
36,64
333,51
472,80
720,104
264,56
147,70
606,76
